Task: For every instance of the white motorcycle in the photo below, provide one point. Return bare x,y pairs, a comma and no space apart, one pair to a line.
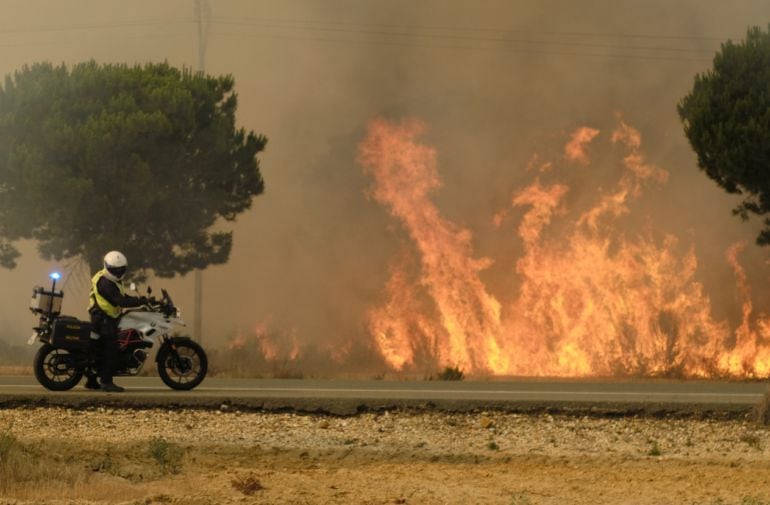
70,348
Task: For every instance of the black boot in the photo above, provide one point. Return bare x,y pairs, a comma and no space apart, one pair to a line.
111,387
91,382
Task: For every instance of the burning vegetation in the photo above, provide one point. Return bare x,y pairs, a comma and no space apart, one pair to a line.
585,294
586,298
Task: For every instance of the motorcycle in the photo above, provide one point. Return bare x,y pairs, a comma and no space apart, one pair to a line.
69,348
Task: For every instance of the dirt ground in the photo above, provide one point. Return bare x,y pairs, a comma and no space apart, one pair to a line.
62,456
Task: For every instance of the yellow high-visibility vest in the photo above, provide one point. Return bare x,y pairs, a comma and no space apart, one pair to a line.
96,299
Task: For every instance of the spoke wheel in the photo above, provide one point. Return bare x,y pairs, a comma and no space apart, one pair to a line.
55,368
182,366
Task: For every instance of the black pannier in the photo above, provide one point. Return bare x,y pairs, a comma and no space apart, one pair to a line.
70,333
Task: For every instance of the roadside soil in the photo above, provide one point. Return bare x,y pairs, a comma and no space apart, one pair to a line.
104,456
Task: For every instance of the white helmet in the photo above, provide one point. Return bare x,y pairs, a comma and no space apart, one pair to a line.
115,265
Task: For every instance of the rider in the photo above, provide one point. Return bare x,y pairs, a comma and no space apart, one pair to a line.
107,298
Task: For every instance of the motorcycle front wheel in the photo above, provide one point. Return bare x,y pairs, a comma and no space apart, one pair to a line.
183,365
55,368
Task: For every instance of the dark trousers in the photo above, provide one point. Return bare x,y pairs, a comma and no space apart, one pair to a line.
107,345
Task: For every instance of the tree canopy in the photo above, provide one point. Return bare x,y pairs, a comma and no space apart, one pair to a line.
143,159
726,118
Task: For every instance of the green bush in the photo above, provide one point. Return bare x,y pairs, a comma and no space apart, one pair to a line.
167,455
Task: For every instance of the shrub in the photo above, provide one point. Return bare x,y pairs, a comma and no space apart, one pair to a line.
451,374
247,484
167,455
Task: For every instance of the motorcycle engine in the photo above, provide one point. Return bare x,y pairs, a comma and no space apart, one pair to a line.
133,361
139,356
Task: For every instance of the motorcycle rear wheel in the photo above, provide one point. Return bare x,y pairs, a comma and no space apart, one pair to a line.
54,368
182,367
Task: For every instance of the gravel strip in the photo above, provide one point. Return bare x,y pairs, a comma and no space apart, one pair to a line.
428,434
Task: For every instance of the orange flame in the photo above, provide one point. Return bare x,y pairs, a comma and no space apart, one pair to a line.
749,356
575,149
590,302
275,346
272,344
237,342
469,317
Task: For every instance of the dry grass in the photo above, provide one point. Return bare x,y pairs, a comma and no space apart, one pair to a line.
29,466
15,369
96,488
48,470
752,440
249,362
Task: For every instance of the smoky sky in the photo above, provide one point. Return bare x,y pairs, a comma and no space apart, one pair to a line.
495,81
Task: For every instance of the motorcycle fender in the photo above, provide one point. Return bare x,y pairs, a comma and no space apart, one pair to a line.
172,342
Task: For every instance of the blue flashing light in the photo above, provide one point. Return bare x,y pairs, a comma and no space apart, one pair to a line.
55,276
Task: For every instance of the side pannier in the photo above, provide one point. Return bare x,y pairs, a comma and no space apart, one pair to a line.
71,333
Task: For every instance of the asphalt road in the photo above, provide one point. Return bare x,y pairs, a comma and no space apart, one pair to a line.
655,397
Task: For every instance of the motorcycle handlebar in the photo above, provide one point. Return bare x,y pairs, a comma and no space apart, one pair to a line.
164,305
156,306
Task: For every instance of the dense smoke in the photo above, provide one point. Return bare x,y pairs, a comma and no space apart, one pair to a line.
501,85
